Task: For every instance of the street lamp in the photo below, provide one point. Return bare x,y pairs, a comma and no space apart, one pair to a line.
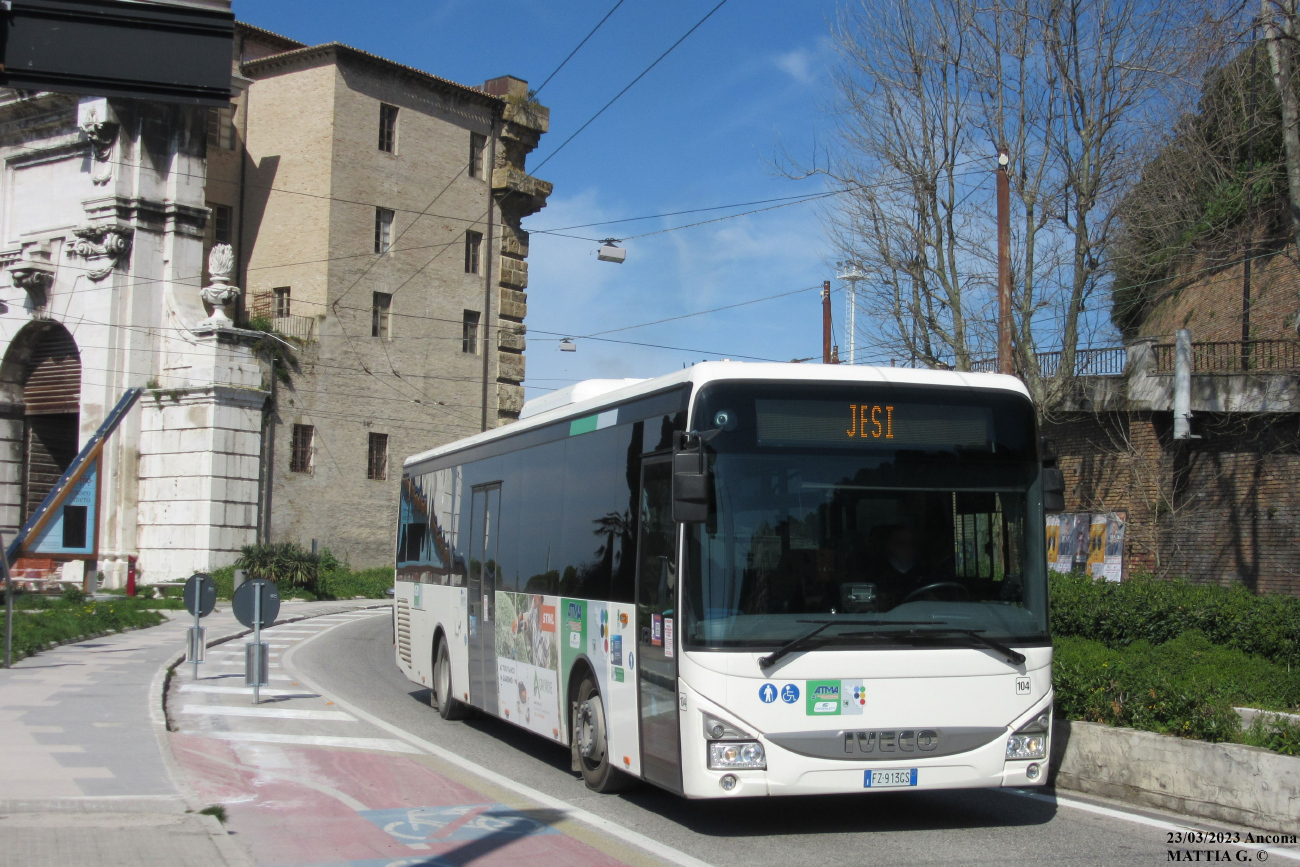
851,274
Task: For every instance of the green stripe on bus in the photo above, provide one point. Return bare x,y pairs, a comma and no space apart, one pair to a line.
582,425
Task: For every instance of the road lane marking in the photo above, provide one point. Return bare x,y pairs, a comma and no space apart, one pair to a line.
268,712
1099,810
613,829
387,745
267,691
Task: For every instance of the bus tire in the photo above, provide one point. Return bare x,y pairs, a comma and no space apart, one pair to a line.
448,707
593,742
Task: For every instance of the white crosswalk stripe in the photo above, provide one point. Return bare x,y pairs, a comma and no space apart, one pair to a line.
269,712
386,744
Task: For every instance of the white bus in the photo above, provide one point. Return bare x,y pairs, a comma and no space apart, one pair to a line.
744,579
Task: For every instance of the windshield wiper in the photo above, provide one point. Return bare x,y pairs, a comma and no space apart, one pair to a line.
1014,657
791,646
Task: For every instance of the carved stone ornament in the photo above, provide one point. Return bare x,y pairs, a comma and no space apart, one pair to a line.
100,129
220,294
33,273
107,245
34,278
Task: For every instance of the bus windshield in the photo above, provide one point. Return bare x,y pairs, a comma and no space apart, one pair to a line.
931,524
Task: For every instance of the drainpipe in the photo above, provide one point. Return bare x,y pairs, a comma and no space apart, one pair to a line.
1183,385
488,256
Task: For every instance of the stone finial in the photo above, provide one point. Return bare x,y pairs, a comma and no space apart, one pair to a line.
220,294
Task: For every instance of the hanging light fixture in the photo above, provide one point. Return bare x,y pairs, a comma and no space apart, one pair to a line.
611,252
567,345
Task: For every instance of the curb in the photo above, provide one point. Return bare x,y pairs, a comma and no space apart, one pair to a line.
1244,785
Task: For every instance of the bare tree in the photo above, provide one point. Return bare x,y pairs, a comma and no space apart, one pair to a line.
1281,21
1075,90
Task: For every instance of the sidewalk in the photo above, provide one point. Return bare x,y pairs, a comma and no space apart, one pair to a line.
82,776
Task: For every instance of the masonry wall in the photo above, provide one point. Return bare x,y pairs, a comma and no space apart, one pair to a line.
1222,509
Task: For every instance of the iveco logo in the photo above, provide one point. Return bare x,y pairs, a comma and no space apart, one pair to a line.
906,741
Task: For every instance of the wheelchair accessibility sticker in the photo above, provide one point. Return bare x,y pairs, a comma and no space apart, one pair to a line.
457,823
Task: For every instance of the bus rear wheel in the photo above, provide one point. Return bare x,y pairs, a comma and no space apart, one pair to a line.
443,698
592,736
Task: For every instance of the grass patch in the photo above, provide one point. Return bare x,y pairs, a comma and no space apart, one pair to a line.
215,810
46,619
337,583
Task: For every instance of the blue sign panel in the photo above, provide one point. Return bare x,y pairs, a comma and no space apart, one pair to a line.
71,529
789,693
767,693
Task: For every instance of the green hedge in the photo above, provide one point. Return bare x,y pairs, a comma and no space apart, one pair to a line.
338,583
1148,609
61,620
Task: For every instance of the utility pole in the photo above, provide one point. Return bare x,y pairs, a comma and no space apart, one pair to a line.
826,322
1004,266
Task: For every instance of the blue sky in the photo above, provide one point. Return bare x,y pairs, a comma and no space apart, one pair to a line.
702,129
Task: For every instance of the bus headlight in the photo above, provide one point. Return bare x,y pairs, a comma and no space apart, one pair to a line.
1030,740
737,755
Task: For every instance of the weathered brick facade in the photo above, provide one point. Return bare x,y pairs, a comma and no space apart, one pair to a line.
1224,508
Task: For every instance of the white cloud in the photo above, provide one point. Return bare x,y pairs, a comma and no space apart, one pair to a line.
802,64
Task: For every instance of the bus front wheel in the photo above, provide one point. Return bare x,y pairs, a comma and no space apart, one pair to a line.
592,738
448,707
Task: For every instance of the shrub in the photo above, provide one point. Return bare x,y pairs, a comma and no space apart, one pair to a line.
1273,733
285,563
1095,683
1144,608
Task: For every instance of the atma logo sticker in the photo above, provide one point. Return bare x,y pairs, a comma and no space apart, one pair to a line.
573,611
823,698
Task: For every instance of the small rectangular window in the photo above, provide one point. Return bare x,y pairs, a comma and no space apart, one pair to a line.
477,145
469,332
383,229
221,128
280,301
387,128
74,527
381,315
221,233
301,459
473,241
378,464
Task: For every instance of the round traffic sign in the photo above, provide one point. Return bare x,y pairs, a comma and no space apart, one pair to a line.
244,600
200,593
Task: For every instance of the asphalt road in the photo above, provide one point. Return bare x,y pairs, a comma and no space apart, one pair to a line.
984,826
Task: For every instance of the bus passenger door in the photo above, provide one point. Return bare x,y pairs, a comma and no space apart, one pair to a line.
656,585
485,515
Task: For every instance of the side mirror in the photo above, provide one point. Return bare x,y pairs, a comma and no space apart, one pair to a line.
690,482
1053,480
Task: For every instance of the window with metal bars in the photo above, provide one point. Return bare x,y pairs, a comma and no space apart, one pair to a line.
300,461
381,314
387,128
377,466
473,243
383,229
477,145
469,332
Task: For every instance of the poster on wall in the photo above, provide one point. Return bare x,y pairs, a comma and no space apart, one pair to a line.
1064,561
1113,561
528,658
1096,545
1053,539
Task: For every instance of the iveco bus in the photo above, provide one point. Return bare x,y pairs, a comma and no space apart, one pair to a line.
744,579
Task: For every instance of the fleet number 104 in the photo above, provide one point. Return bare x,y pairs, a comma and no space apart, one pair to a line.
871,421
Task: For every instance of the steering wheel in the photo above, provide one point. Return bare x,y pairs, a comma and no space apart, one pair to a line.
961,593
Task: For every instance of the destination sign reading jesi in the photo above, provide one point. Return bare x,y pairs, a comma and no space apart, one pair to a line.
866,422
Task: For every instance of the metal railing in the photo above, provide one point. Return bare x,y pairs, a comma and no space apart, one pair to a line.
298,327
1234,356
1105,361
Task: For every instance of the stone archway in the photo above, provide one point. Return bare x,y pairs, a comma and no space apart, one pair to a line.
40,417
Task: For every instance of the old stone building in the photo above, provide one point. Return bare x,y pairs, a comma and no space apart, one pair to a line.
375,212
372,212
